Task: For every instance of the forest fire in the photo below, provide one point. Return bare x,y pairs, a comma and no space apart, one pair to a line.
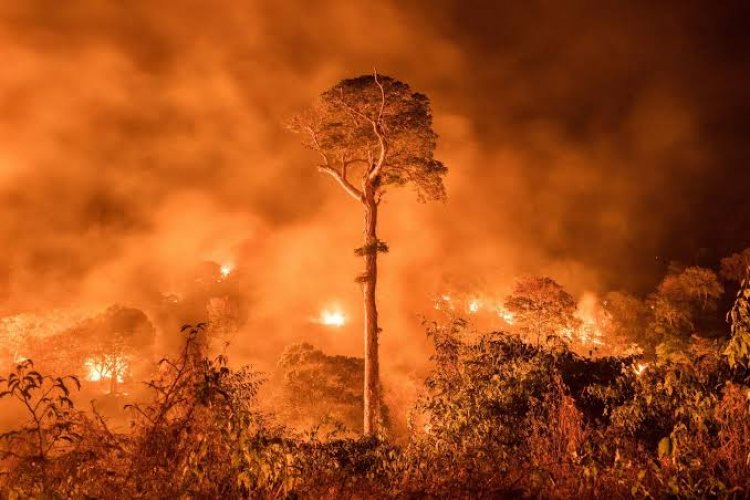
258,249
505,315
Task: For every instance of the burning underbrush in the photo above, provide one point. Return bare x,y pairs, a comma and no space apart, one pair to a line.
530,392
498,416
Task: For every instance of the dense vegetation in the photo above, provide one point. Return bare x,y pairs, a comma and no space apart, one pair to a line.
534,411
499,416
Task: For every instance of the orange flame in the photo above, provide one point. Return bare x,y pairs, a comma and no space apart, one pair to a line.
103,368
332,317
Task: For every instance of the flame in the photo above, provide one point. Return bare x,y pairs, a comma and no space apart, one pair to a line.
640,368
592,320
225,270
332,317
444,303
505,315
567,333
474,305
102,369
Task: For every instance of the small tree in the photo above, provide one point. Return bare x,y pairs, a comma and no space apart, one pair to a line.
735,267
50,418
682,298
320,388
372,133
627,316
114,338
542,309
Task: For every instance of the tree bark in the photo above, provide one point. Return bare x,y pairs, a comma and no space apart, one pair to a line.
372,366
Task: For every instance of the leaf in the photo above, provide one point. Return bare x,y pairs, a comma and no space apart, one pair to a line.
62,386
665,447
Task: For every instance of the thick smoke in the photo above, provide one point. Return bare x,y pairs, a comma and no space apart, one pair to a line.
138,139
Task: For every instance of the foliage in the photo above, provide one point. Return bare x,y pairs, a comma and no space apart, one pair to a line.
378,124
627,316
738,348
681,297
498,417
50,428
543,310
681,306
319,388
735,267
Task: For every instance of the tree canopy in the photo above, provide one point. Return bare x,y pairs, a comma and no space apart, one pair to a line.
379,125
542,309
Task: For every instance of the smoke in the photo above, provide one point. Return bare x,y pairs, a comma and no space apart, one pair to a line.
138,139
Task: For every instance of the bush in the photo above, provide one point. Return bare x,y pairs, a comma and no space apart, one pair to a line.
498,418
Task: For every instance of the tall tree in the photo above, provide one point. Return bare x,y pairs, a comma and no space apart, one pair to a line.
372,133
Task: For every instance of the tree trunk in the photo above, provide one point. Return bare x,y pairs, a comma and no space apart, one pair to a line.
113,378
372,366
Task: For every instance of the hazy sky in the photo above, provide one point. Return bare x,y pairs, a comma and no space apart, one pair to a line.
592,141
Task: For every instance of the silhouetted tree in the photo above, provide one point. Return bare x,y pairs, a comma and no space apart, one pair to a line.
542,309
627,316
113,339
322,387
735,267
682,298
373,133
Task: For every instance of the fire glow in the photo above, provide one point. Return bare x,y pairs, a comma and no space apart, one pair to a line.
225,270
102,369
332,317
474,305
505,315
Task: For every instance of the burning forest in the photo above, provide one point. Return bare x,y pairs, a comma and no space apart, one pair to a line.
374,250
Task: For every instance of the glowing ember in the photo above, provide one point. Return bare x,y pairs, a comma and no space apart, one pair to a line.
474,306
592,318
505,315
225,270
333,318
103,368
567,333
640,368
444,303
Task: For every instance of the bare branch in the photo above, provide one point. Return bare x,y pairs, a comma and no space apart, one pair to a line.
317,145
354,161
352,110
382,96
379,195
348,187
381,157
378,129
